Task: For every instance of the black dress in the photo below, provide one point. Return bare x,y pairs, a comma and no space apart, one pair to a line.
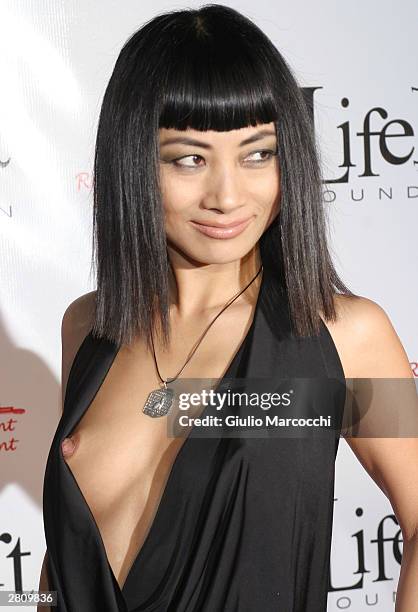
244,524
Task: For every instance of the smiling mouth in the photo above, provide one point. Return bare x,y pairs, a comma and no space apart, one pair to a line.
229,230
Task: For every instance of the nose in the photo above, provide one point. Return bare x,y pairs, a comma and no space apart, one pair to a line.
226,189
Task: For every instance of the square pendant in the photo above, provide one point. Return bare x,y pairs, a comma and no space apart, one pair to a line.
159,402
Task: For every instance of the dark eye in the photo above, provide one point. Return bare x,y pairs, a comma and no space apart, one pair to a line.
267,156
176,162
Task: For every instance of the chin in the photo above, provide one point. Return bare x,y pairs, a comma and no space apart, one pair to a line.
218,254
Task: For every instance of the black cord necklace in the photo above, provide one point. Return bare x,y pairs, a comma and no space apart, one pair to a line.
160,401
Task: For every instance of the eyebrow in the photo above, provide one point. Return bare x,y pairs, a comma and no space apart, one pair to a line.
204,145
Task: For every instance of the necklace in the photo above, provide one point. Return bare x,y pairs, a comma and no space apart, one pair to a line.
160,401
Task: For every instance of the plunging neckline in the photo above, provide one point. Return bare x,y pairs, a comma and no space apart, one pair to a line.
177,459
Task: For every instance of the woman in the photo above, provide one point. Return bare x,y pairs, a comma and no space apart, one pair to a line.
211,261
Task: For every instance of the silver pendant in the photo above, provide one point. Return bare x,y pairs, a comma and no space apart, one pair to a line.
159,402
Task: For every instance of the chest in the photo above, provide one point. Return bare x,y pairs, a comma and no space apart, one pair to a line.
121,458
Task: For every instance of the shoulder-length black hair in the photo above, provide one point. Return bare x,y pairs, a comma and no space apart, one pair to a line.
208,69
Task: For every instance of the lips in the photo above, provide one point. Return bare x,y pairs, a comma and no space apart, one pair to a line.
223,225
222,230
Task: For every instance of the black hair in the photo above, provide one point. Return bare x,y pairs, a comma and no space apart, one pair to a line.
209,68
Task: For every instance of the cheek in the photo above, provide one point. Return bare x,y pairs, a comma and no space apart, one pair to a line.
274,190
267,194
174,210
178,196
176,215
268,197
274,182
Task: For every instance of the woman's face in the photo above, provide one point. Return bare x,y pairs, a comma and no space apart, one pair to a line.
218,179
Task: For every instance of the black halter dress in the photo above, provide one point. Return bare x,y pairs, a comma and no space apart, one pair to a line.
244,524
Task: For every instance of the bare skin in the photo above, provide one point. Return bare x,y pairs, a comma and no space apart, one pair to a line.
208,272
107,440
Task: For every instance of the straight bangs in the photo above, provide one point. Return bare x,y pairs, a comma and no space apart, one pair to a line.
207,69
202,91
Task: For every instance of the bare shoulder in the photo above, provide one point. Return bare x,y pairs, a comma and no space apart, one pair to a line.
77,321
366,340
79,314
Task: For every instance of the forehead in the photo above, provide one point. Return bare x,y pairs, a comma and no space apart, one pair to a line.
238,136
